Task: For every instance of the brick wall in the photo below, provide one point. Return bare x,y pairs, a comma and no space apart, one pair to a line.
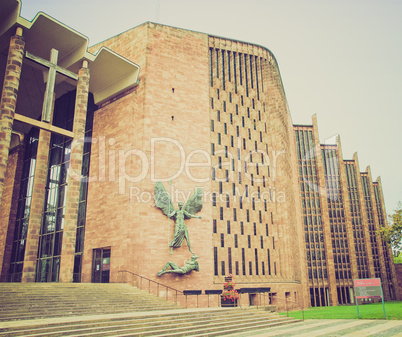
137,232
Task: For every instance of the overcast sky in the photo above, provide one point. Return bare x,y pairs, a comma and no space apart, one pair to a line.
339,59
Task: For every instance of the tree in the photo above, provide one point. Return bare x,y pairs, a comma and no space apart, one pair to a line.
392,233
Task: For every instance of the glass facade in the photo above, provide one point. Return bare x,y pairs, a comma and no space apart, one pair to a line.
357,222
371,226
51,233
312,217
337,222
24,206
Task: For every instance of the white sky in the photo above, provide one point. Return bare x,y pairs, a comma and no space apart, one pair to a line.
339,59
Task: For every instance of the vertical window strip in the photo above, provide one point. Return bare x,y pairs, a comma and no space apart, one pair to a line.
246,73
230,260
211,72
240,69
243,261
223,69
229,72
256,78
217,62
235,76
215,261
251,72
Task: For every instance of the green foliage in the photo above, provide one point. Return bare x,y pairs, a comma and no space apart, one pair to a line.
398,259
366,311
393,233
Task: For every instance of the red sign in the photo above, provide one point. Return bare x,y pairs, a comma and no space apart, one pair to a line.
368,288
368,282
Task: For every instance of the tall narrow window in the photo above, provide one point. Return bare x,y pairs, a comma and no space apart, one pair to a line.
230,260
243,261
211,73
240,69
251,71
217,63
245,73
235,75
215,261
229,74
223,69
256,77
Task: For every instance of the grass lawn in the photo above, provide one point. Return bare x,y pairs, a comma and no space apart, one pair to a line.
393,310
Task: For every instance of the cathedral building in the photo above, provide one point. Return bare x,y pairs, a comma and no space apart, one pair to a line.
91,136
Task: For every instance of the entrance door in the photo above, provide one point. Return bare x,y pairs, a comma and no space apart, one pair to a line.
101,265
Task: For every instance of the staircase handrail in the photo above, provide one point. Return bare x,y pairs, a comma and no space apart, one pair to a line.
154,282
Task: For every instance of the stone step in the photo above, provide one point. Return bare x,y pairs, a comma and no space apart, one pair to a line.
29,301
213,322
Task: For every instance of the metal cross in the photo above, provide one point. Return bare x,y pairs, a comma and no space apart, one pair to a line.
51,80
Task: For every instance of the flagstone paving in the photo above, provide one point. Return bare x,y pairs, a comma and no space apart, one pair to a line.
332,327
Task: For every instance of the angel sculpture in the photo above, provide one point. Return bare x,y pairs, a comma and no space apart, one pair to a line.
193,206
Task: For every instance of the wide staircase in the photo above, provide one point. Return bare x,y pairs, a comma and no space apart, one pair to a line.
56,309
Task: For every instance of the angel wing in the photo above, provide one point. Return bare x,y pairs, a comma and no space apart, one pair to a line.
162,199
194,204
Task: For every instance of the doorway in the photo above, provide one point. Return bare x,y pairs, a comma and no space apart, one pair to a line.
101,265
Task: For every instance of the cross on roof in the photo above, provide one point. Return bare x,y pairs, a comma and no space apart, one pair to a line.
51,80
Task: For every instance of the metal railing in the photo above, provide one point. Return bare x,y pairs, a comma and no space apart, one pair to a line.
154,287
262,299
184,298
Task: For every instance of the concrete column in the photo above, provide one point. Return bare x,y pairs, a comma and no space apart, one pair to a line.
9,99
37,204
74,177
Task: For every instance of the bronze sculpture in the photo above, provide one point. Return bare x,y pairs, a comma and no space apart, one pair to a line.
192,206
190,265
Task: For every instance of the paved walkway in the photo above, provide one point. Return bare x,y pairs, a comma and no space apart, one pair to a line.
332,327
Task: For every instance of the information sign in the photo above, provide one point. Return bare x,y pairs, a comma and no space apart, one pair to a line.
368,288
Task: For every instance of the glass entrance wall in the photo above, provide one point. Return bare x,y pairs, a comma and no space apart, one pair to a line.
82,207
24,207
51,235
